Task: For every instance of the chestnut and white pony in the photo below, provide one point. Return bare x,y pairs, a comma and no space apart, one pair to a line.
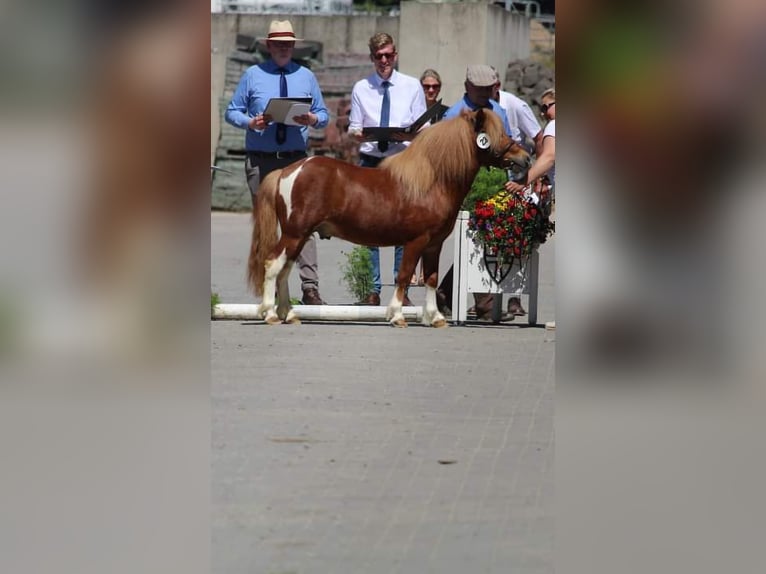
411,199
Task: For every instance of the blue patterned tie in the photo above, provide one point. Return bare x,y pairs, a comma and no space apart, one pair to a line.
385,111
282,128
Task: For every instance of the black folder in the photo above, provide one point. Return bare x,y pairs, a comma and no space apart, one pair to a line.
384,134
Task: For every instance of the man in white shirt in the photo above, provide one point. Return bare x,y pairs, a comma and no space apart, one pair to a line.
522,120
386,98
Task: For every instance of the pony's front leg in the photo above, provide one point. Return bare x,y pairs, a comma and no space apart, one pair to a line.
431,314
266,308
284,307
394,310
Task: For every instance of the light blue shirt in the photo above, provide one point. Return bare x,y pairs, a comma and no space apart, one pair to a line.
455,110
257,86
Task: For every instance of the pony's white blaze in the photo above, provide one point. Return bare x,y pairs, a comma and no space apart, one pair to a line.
286,190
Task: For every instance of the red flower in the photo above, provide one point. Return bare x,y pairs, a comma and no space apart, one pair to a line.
510,232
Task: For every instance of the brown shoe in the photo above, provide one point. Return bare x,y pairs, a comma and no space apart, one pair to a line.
406,302
515,308
372,299
311,297
484,303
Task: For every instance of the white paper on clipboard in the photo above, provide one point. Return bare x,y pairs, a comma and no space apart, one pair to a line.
282,110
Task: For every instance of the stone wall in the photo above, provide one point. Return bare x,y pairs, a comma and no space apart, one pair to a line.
528,79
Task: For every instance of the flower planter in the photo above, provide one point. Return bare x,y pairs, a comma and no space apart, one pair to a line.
478,272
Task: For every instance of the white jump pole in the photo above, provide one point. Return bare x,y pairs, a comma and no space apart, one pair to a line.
247,312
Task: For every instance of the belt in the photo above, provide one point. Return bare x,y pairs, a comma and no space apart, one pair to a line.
278,154
372,158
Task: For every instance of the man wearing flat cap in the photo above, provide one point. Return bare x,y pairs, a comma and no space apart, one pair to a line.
479,89
272,145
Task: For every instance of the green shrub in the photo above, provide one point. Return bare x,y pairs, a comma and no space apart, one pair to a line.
214,300
357,272
487,183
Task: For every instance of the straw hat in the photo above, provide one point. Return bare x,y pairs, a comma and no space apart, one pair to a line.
281,31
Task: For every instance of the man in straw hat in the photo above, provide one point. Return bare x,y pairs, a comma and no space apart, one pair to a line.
272,145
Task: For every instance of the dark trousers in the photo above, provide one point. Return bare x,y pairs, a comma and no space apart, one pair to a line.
256,168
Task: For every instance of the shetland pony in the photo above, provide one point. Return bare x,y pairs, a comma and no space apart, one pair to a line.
410,199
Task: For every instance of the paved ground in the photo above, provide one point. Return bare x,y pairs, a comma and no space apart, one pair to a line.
360,448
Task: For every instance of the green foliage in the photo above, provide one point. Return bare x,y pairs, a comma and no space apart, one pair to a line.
214,300
357,272
10,325
375,5
488,182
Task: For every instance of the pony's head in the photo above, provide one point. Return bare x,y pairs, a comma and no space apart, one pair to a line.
495,148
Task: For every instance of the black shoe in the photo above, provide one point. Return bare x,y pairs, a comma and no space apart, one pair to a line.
441,302
311,297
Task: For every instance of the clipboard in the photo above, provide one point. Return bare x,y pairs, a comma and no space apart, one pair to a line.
384,134
282,110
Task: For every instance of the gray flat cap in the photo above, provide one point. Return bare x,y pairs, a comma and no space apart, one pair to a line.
480,75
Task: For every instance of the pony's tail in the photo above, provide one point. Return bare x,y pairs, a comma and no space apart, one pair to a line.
265,234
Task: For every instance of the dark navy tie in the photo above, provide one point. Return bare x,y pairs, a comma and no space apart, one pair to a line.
385,111
282,128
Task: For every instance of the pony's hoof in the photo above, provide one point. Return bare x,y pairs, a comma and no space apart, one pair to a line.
292,318
401,323
439,323
272,319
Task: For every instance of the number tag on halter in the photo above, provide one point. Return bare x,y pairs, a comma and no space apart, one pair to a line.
482,140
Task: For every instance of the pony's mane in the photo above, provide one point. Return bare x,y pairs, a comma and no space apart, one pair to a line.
443,153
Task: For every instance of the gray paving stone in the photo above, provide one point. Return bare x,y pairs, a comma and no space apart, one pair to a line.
327,438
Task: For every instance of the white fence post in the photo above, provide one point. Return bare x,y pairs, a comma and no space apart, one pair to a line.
470,276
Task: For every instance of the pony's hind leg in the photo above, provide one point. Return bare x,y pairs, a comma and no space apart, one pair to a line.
284,307
292,246
273,268
394,310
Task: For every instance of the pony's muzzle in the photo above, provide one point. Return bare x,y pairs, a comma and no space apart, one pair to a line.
518,168
519,163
